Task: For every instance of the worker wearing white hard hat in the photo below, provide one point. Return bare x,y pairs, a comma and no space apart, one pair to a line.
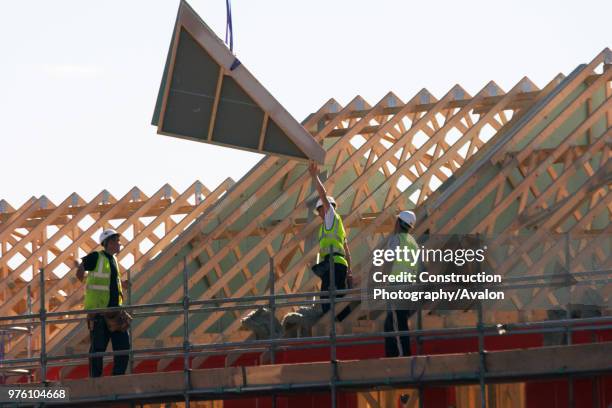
406,219
104,288
319,204
332,237
397,316
106,234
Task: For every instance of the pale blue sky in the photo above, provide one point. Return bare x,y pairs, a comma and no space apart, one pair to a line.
79,79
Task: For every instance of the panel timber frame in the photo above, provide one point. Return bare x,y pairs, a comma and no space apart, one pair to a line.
207,95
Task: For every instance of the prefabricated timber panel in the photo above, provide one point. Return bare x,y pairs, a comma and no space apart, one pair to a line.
207,95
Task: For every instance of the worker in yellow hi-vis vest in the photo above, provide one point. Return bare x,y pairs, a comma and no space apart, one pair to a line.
104,289
397,317
331,235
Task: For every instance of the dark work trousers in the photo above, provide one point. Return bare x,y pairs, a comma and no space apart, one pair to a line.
340,275
99,337
391,347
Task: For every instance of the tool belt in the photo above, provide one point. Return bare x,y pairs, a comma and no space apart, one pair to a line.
322,268
118,321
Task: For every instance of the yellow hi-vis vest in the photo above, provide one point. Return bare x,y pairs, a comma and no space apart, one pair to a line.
334,238
406,240
97,286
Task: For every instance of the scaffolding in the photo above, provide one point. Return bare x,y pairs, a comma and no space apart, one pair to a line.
481,367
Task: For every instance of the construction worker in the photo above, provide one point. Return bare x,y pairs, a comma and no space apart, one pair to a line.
331,234
397,317
104,289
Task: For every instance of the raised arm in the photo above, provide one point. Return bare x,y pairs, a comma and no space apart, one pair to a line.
313,169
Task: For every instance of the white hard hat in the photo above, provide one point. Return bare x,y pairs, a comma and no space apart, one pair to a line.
407,217
330,199
107,233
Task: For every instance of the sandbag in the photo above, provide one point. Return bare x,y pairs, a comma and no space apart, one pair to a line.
258,321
